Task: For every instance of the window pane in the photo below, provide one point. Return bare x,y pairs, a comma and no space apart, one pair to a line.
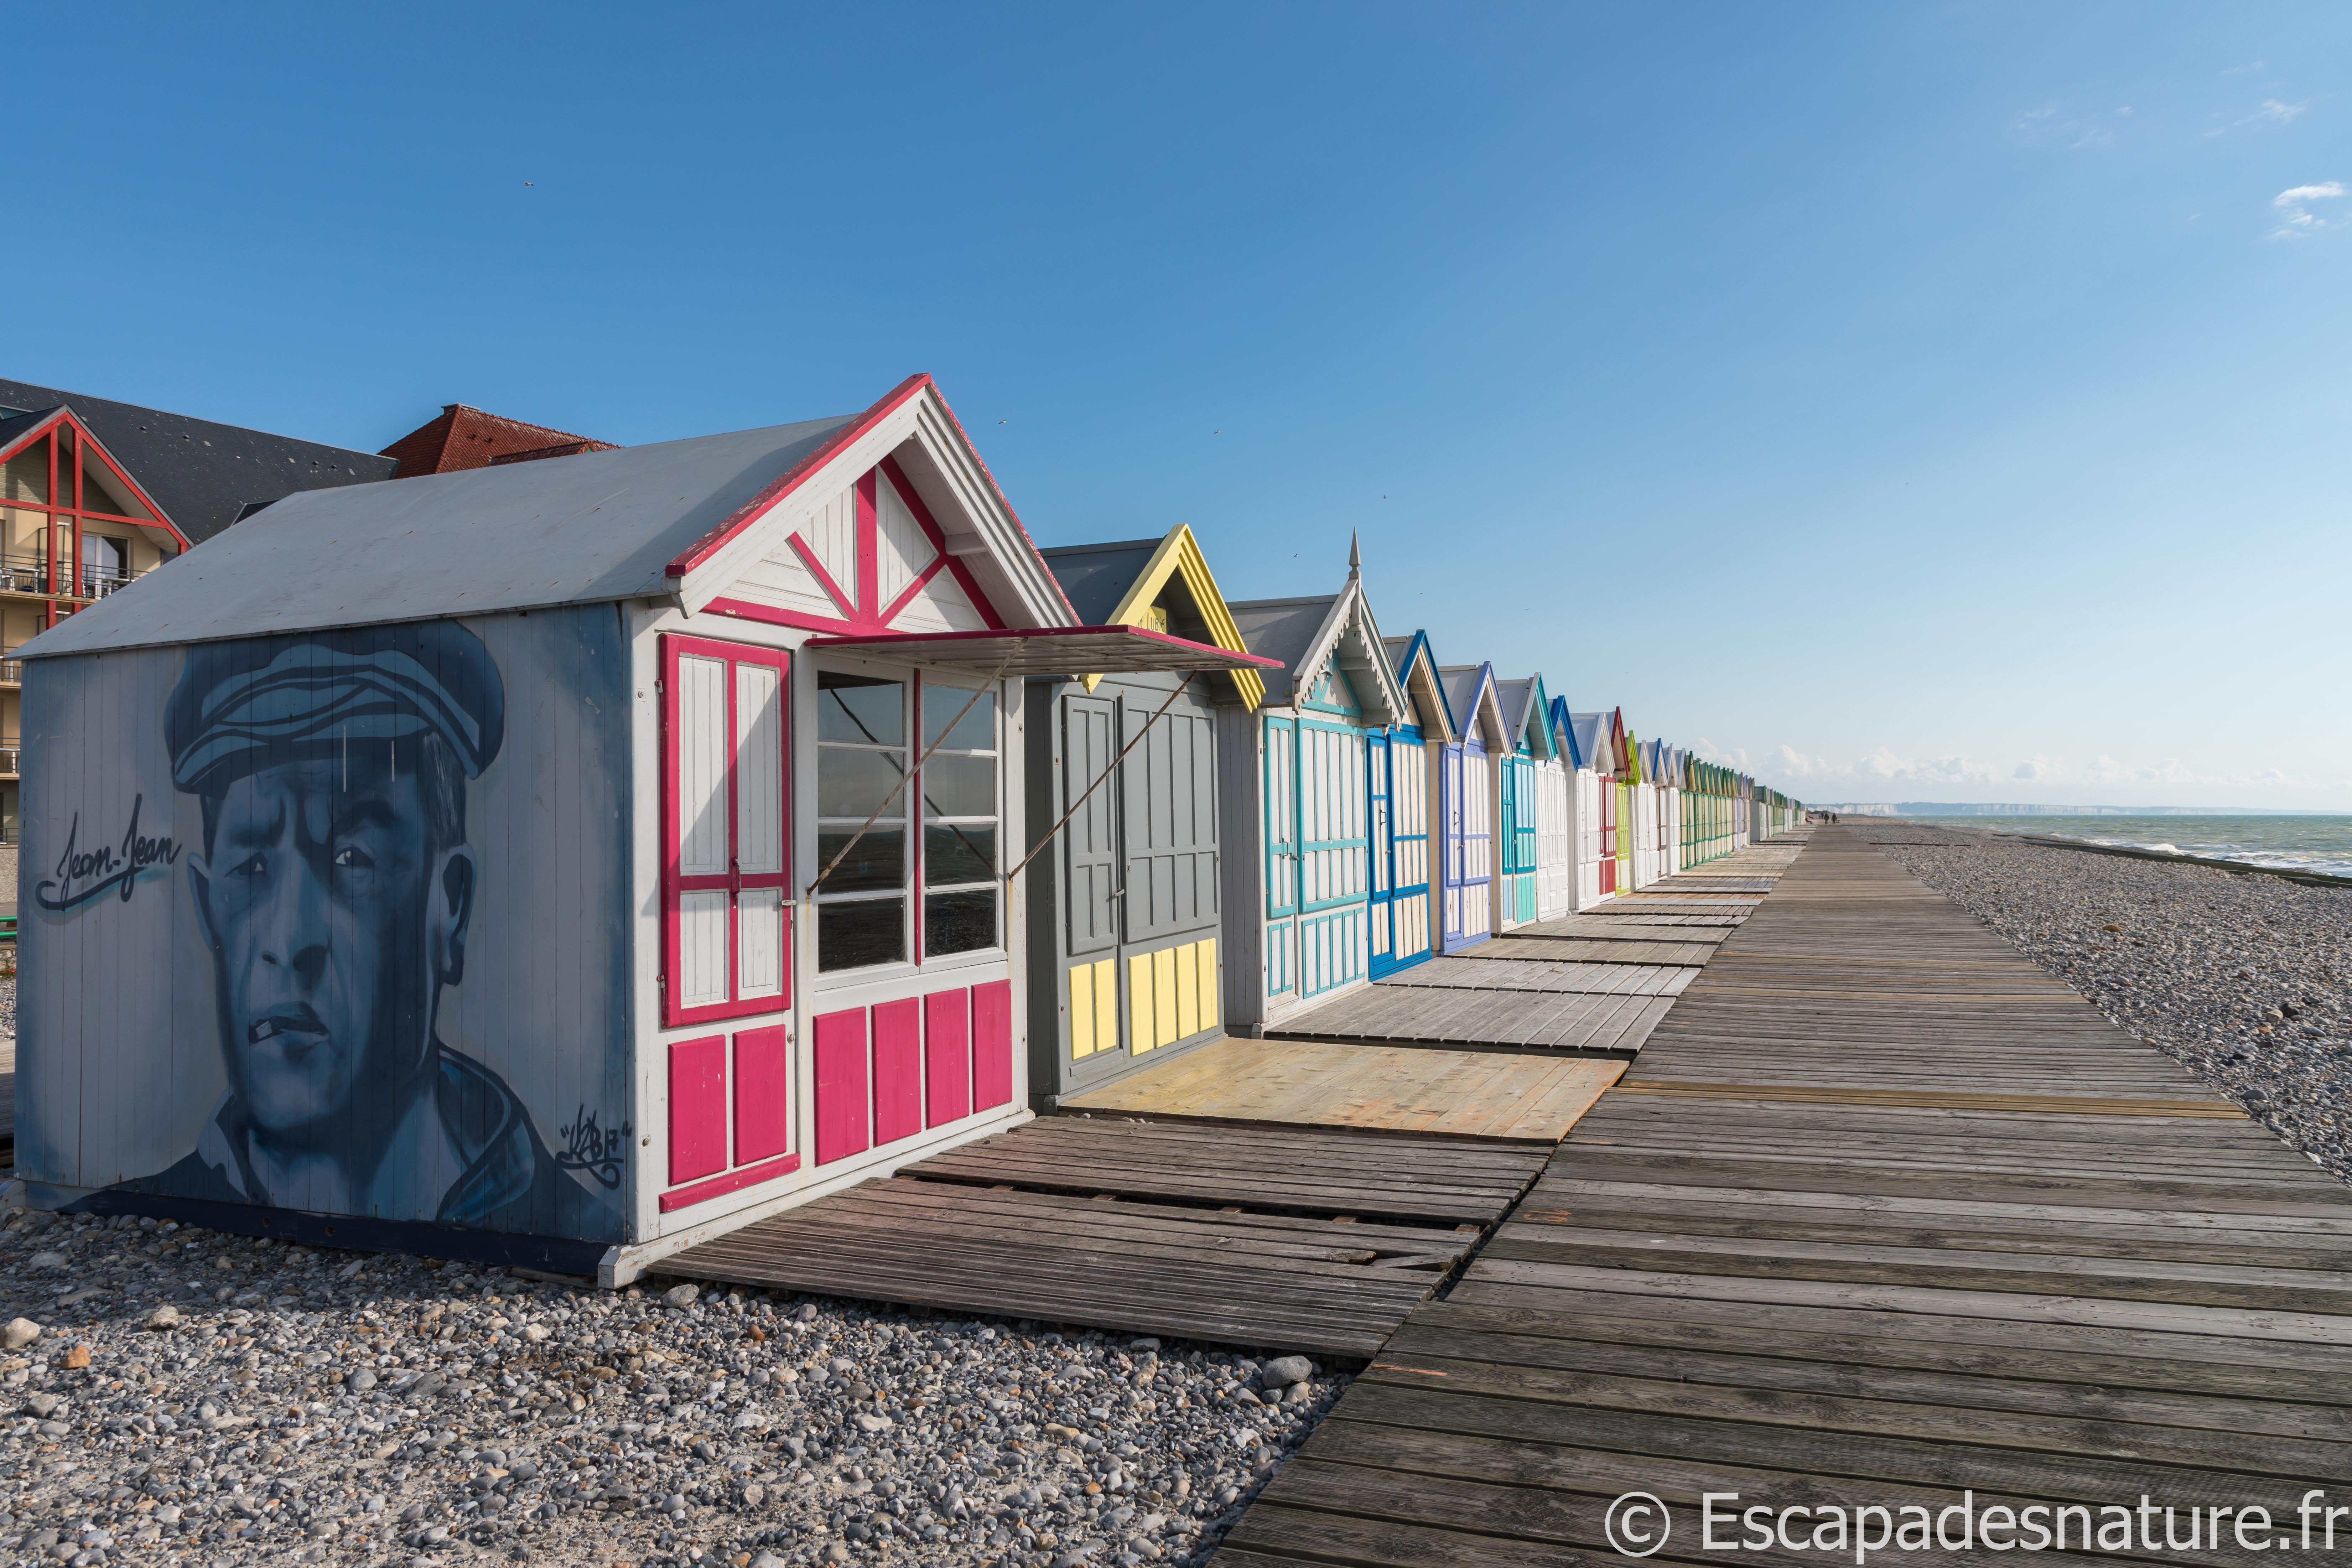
855,783
701,742
959,786
760,768
975,731
877,865
760,930
701,980
963,853
860,709
853,935
959,922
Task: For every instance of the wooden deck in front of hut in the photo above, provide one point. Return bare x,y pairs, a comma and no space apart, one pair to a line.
1884,1213
1283,1194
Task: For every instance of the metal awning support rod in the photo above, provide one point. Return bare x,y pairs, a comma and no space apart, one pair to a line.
993,682
1113,768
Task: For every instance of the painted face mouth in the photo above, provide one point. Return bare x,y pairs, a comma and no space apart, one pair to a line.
298,1021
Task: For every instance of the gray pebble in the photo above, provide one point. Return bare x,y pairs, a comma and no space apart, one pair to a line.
416,1407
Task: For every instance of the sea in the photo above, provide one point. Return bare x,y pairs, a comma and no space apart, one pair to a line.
2322,844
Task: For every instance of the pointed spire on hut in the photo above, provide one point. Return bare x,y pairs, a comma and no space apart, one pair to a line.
1355,558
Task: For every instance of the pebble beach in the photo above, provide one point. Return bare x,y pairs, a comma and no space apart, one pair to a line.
2242,978
180,1395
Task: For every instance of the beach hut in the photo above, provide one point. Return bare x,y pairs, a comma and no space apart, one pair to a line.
1403,795
1585,738
1528,773
549,864
1468,805
1125,963
1617,803
1555,780
1292,785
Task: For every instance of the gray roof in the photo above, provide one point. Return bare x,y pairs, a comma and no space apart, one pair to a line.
1520,718
1591,733
1096,577
579,530
1283,629
203,475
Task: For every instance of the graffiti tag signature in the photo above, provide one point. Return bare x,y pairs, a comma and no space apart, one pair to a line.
588,1148
86,873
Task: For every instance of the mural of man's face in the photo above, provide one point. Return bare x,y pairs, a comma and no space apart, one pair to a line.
333,920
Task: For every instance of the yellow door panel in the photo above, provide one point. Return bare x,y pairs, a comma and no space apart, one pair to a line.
1207,967
1082,1012
1188,991
1139,1038
1163,996
1106,1005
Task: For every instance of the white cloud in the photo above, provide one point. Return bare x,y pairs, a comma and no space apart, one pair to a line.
2267,115
2295,217
1886,773
2295,195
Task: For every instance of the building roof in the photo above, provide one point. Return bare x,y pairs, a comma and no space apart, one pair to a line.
1323,630
679,523
1522,702
1170,572
1416,672
202,474
1096,577
1469,693
462,436
1283,629
601,527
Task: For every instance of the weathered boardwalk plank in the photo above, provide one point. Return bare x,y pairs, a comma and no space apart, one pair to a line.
1555,986
1295,1238
1885,1213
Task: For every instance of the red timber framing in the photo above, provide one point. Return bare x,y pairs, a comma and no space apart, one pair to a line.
62,448
859,614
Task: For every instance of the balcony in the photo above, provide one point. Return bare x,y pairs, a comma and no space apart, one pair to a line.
12,672
12,757
27,573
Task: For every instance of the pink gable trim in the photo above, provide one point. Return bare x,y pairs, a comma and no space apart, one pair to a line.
824,578
938,539
703,549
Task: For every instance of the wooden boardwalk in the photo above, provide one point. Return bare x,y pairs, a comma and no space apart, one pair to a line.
1385,1089
1594,984
1884,1215
1285,1238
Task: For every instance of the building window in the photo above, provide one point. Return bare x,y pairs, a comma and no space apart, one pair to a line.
861,758
725,889
960,820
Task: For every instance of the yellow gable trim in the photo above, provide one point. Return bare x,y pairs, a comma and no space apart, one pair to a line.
1179,553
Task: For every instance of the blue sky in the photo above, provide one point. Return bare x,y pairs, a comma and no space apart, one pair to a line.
1920,402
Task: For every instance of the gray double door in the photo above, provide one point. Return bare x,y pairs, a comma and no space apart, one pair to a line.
1139,950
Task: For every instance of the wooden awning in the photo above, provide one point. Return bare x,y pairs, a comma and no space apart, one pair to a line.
1067,651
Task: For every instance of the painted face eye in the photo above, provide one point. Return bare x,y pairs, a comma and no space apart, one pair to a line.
352,857
251,868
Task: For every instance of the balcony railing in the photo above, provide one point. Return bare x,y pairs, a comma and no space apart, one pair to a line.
12,758
12,672
25,573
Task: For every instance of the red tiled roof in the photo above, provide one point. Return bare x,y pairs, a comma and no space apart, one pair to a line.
466,438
